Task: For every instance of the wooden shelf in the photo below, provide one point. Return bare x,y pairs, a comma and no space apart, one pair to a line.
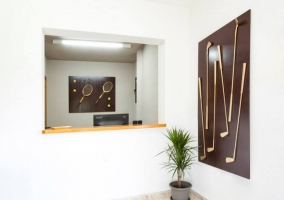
99,128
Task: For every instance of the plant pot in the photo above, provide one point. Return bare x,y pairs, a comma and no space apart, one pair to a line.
180,193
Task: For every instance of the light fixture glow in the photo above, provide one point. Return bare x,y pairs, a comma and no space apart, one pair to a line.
91,43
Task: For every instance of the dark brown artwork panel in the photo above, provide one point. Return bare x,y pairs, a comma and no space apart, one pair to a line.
240,120
104,104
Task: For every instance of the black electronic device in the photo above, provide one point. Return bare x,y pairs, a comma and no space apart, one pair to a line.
111,119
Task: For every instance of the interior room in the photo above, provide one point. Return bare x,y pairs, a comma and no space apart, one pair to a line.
121,163
134,66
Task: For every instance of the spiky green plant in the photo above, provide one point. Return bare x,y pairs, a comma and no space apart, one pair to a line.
180,154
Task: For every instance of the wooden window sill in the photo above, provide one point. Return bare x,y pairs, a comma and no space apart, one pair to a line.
99,128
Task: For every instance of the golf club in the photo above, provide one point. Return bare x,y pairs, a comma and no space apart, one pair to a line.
207,74
201,110
233,71
229,159
209,149
223,134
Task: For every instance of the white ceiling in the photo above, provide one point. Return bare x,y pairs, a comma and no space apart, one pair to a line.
94,54
173,2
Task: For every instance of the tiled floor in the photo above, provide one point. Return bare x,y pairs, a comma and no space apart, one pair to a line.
163,196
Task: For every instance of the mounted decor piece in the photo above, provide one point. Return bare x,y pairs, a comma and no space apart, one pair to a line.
91,94
229,159
227,133
107,87
202,121
207,82
223,134
209,149
180,158
87,90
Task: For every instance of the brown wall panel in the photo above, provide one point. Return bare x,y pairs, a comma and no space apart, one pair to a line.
105,104
224,146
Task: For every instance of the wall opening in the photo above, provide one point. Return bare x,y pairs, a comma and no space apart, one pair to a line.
149,107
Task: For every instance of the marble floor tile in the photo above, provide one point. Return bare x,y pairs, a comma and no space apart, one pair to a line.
164,195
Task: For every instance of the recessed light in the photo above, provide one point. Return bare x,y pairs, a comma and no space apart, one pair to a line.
91,43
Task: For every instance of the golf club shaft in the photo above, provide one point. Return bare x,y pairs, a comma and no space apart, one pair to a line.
233,73
215,82
207,86
201,109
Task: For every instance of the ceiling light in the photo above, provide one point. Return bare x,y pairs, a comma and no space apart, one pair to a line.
91,43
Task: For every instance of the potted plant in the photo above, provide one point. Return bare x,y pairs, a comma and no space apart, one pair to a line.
180,158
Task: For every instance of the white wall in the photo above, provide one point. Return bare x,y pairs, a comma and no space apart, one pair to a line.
147,84
84,165
266,97
58,96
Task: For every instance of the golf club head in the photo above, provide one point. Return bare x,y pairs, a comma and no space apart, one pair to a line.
229,160
209,44
202,157
224,134
209,149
